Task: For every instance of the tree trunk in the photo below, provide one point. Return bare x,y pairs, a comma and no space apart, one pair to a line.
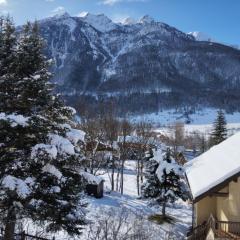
10,225
138,184
112,177
91,165
117,180
164,209
122,169
141,172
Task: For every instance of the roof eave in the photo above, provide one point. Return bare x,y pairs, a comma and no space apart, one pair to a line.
215,188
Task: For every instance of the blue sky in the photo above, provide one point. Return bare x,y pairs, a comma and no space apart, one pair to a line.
218,18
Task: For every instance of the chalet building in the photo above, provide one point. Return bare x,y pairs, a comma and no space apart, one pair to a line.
214,181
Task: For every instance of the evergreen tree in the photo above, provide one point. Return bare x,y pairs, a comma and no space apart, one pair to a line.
219,133
7,63
151,186
40,160
163,180
171,185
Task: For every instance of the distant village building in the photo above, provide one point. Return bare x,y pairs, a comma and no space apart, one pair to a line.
99,147
214,181
138,142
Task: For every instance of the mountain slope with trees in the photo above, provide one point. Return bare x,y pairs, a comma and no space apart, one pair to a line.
147,63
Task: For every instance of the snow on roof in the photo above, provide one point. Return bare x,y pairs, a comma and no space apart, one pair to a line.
136,139
214,166
129,139
90,178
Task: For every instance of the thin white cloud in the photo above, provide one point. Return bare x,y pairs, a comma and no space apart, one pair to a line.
3,2
112,2
49,0
58,10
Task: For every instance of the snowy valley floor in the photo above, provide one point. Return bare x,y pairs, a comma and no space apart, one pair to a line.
203,117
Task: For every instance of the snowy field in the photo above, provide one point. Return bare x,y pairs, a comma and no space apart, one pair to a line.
205,129
203,117
201,121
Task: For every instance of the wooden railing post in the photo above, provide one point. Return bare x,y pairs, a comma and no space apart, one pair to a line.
23,235
212,223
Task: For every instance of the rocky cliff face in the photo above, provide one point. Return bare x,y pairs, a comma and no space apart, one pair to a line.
94,55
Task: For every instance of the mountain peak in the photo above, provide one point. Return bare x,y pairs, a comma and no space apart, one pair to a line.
146,19
129,21
99,21
62,14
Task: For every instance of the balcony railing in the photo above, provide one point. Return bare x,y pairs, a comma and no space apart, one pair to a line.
220,229
227,229
198,233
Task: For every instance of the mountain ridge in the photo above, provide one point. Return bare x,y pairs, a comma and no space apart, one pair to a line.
95,56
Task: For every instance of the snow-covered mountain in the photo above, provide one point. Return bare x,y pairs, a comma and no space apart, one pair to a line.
99,22
94,55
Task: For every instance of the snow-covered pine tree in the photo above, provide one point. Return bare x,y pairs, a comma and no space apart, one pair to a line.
40,160
219,132
172,186
7,62
151,186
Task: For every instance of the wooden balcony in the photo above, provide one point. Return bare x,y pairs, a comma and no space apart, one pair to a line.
217,229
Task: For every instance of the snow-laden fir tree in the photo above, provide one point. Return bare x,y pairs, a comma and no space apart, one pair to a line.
163,181
151,186
7,63
219,132
172,186
39,155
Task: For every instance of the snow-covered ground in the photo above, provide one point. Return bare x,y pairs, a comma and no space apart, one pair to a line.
201,121
113,206
205,129
201,117
115,202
